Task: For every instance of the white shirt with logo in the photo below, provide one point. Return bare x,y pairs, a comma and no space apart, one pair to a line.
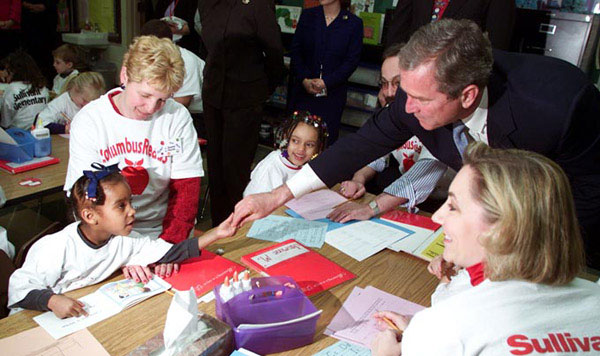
60,110
509,318
149,152
20,106
64,262
270,173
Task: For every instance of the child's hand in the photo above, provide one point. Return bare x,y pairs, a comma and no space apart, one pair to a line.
352,189
401,321
66,307
226,228
166,269
441,269
137,273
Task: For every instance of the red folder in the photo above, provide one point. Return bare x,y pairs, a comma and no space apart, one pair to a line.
313,272
14,168
203,273
411,219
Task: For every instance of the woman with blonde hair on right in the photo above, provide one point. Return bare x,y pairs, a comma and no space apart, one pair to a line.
78,91
511,231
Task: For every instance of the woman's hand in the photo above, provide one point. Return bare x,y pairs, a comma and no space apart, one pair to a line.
66,307
387,343
352,189
401,321
442,269
137,273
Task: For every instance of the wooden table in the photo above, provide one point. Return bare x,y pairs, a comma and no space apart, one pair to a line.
52,177
397,273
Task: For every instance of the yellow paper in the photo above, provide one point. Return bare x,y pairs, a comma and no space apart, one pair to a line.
435,248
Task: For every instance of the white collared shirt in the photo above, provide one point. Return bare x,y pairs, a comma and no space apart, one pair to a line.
477,121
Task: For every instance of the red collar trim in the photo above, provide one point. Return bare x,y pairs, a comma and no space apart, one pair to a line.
476,273
287,163
112,101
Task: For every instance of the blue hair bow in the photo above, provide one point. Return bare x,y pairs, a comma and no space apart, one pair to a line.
96,176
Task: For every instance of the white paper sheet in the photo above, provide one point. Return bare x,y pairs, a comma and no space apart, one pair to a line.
363,239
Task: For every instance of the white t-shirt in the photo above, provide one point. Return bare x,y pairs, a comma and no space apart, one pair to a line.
19,106
509,317
270,173
192,82
64,261
99,134
54,111
59,81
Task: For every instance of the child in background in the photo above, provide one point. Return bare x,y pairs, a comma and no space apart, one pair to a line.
79,90
67,60
303,137
89,251
26,95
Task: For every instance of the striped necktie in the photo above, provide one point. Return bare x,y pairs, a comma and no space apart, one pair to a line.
461,136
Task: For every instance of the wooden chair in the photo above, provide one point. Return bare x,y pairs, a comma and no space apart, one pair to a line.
22,253
6,269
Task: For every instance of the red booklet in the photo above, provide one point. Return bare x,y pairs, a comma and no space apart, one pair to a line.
313,272
15,168
203,273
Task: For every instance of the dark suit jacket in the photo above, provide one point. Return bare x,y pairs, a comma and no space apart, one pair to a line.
244,53
497,17
536,103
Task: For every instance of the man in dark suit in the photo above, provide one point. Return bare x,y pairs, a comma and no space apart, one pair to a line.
496,17
244,64
528,102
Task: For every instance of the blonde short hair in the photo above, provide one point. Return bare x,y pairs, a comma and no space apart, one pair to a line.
91,84
527,199
156,60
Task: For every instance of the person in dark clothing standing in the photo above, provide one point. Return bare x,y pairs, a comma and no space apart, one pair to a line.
244,63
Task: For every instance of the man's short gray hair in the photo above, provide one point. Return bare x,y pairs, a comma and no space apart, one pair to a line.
462,54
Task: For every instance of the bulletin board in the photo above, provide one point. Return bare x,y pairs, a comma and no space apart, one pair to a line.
106,15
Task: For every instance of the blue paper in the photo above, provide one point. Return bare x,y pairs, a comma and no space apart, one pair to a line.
280,228
331,225
343,348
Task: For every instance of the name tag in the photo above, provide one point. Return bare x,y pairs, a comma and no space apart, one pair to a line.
171,148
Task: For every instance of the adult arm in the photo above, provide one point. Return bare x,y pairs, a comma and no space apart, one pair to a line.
381,134
269,36
182,207
499,23
351,58
299,66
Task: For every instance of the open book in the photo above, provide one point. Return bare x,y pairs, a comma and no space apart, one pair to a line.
108,300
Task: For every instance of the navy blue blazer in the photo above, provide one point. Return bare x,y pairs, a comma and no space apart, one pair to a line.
536,103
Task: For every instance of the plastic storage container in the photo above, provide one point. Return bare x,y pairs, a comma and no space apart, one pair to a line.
272,300
23,151
43,142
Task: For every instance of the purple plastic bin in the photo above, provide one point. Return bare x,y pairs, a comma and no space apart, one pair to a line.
262,305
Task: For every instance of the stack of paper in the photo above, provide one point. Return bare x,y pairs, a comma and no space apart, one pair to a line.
280,228
428,240
354,322
363,239
316,205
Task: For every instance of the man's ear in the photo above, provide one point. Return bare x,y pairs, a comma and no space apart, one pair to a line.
469,96
89,216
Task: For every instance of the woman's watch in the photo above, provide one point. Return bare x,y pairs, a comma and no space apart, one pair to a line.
373,205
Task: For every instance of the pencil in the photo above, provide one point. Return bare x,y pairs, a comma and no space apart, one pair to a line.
170,293
66,117
389,322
